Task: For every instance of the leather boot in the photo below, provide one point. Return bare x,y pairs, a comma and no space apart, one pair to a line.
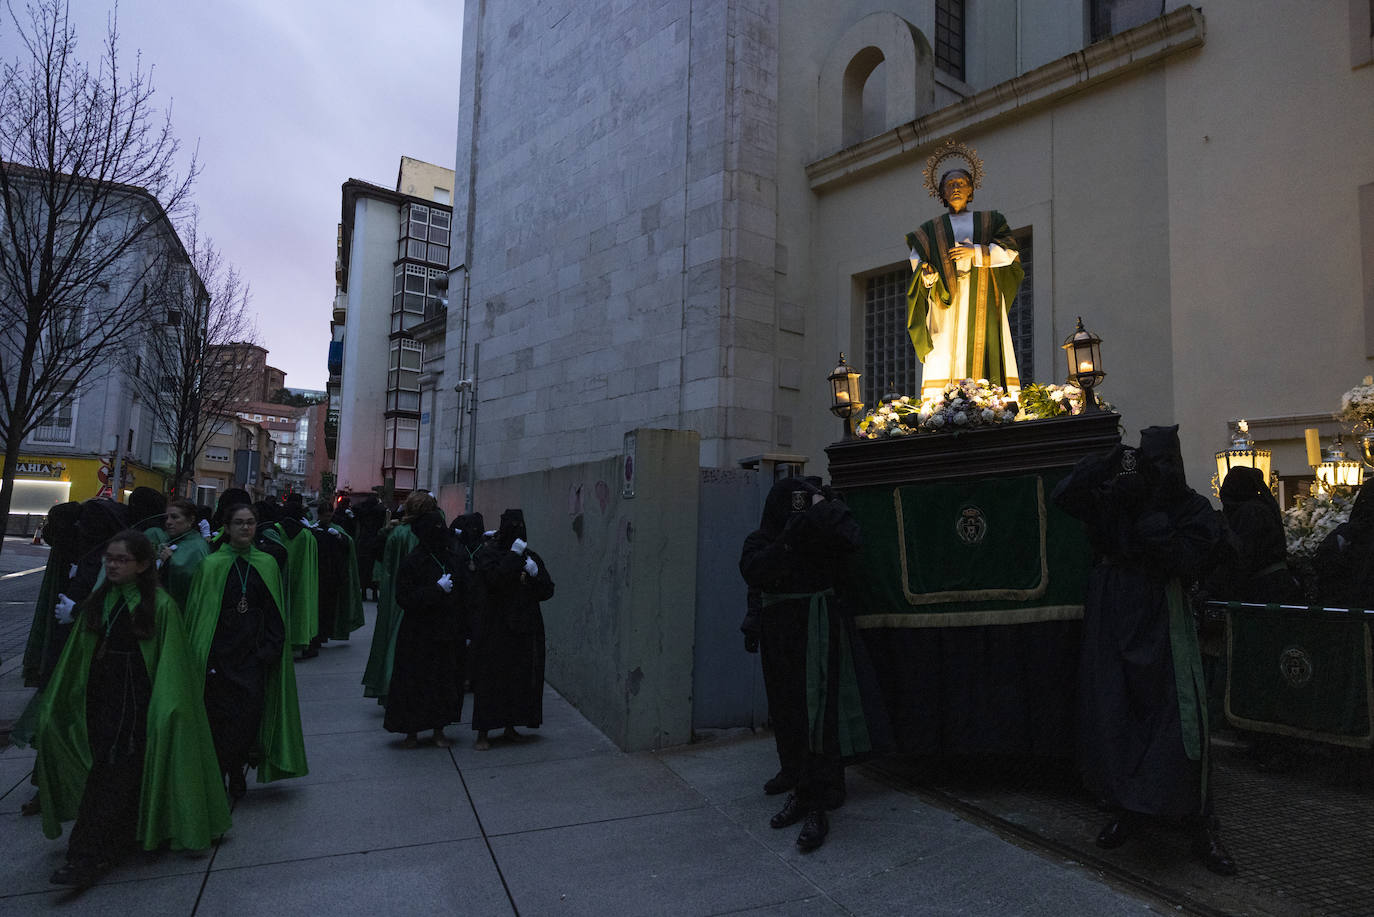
1208,848
791,812
1115,832
814,830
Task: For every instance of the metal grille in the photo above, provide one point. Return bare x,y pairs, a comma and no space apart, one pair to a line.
1021,315
949,36
889,359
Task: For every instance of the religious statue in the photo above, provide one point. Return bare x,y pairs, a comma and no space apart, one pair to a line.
965,274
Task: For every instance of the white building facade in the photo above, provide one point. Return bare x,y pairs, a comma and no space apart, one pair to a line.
678,214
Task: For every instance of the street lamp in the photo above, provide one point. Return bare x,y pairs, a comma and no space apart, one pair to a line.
1337,469
844,395
1242,453
1083,350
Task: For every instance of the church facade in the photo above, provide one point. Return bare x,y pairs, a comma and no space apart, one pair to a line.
677,214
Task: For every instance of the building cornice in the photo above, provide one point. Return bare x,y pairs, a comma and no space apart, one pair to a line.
1135,49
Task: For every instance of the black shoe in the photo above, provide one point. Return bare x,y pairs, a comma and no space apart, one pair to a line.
82,874
1114,834
791,812
814,830
311,651
238,783
1208,848
781,782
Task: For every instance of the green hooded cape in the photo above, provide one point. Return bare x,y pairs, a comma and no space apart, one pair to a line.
377,675
192,548
302,608
280,735
182,801
350,616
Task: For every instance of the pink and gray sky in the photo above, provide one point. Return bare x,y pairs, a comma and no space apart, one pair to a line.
286,99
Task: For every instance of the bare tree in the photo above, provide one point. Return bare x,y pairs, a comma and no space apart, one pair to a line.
89,187
187,377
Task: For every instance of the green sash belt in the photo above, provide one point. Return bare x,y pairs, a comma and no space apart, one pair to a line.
851,727
1188,678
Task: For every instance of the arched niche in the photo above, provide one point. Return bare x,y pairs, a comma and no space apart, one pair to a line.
908,71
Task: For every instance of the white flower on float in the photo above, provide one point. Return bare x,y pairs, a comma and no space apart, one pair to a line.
960,418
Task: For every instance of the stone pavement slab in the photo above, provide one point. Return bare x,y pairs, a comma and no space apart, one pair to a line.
684,864
441,879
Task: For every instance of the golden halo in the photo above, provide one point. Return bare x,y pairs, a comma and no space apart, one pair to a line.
951,149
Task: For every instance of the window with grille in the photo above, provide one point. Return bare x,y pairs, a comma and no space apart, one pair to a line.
424,234
889,359
949,36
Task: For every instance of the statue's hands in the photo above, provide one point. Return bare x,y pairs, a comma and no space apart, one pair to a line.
961,253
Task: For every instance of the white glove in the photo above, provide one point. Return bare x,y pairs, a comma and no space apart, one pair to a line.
446,582
204,528
519,546
65,610
489,534
71,571
531,567
173,547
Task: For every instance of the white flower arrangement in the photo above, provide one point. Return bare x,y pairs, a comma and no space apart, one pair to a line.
1040,401
1307,523
1357,406
966,405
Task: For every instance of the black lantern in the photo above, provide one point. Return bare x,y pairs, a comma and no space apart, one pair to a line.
1083,349
844,395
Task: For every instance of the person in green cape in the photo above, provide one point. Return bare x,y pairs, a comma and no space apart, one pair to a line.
238,641
123,743
400,542
347,613
180,549
59,532
966,271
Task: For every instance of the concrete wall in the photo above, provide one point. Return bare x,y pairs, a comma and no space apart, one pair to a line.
620,624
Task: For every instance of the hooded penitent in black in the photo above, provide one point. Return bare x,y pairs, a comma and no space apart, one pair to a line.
426,690
508,638
1344,561
1142,716
1255,567
59,532
796,559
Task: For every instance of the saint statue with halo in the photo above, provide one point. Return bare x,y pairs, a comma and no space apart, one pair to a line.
966,271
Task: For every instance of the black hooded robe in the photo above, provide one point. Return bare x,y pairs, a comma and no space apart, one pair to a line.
426,690
508,638
1141,704
796,559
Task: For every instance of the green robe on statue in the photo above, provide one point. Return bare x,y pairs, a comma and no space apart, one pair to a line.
377,675
302,608
181,801
958,325
279,735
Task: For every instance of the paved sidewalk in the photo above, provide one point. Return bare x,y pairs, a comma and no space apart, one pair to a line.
561,823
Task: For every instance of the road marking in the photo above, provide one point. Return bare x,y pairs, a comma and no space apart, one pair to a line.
23,572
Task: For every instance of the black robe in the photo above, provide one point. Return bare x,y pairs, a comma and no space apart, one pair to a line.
508,640
426,689
244,649
331,555
1138,733
792,556
117,695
